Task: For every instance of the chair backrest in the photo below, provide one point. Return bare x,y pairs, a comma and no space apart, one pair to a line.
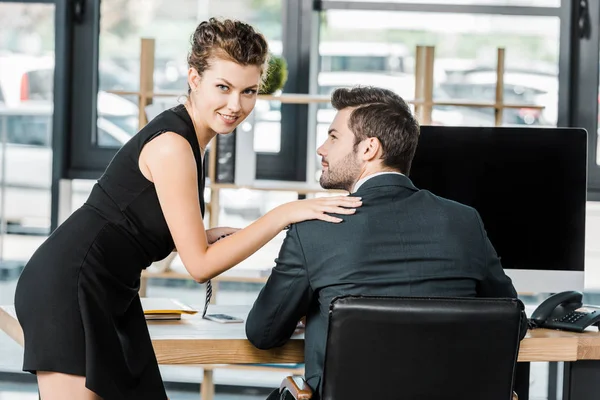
421,348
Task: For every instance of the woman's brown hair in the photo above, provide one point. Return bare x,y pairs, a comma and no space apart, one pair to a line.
229,40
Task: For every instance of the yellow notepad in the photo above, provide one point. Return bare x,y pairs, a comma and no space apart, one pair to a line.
152,305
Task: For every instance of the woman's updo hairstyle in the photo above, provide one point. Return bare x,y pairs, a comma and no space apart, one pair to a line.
228,40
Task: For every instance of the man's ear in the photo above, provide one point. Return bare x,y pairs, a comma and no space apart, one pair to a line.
371,149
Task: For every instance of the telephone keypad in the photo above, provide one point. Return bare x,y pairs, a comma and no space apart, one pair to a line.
571,317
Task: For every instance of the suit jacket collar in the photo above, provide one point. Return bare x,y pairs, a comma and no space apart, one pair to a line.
386,180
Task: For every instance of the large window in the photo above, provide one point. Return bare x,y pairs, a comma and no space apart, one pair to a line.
597,137
171,24
528,3
109,65
378,48
591,121
26,109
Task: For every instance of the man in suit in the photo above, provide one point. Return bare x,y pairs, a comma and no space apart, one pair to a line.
402,241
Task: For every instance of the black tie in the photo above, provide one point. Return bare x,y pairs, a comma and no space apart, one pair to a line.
209,285
208,296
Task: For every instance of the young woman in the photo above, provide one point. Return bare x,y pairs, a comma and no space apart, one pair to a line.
77,298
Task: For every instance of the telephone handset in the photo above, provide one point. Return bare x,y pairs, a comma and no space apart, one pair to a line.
565,311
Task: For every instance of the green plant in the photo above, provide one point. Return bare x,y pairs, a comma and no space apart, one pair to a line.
277,74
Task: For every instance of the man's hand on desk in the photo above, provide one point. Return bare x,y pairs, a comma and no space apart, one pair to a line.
215,233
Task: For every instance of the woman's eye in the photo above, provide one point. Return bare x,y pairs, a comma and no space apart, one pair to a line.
250,91
223,87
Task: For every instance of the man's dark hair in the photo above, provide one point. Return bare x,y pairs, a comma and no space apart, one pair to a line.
382,114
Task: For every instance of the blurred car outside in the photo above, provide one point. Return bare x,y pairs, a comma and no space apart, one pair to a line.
26,78
520,87
26,152
26,109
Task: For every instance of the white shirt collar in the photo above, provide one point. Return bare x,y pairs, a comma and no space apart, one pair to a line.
366,178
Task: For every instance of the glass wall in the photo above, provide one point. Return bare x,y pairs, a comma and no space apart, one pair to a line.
592,275
378,48
26,108
124,23
171,24
536,3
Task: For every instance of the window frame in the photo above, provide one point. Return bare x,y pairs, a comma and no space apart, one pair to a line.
323,5
289,164
86,159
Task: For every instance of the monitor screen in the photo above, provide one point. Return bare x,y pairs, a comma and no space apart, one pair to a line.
528,184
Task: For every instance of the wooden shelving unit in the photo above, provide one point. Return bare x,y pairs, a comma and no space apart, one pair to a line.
423,102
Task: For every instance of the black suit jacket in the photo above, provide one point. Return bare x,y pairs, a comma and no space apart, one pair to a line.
402,242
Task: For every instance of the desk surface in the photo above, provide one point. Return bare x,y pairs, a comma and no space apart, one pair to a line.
196,341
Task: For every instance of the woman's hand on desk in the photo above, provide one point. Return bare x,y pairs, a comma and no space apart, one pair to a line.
215,233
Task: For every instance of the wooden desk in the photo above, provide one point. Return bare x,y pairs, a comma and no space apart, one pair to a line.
196,341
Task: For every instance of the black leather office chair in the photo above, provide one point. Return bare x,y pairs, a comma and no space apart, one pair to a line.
419,349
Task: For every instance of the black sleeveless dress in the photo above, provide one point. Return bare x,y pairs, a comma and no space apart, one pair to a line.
77,298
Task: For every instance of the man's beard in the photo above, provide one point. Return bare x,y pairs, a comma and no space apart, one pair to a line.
343,175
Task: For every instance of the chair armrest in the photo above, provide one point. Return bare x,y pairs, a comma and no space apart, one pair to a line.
297,387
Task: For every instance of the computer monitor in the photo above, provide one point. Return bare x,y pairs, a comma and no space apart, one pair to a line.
529,186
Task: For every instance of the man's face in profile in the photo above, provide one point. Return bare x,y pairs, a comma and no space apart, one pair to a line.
340,162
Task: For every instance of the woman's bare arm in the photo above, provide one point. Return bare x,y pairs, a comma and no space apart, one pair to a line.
170,164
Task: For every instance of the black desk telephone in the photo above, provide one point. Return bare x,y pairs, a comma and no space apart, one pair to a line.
565,311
